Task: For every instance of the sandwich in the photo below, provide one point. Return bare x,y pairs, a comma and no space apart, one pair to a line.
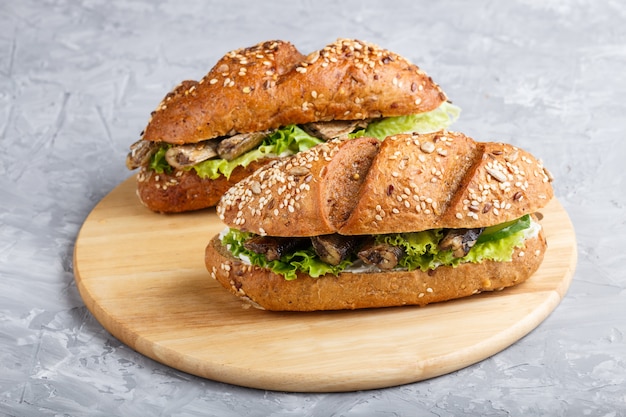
410,220
269,101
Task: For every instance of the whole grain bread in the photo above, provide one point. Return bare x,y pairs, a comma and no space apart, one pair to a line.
183,190
272,84
267,290
407,183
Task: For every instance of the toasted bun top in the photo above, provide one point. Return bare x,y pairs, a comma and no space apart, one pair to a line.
407,183
272,84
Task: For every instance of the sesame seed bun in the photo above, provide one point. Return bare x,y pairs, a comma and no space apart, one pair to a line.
407,183
183,190
272,84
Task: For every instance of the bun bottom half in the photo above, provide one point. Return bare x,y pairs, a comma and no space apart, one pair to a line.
348,291
181,190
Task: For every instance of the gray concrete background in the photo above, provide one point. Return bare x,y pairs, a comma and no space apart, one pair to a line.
78,80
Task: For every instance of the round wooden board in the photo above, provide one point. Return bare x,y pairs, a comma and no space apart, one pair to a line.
142,276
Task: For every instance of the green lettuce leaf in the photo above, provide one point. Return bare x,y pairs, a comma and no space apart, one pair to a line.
420,248
288,140
440,118
214,168
500,250
158,163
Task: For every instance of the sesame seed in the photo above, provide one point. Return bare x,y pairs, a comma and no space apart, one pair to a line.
496,174
427,147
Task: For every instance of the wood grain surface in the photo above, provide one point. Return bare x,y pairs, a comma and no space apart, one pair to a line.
142,276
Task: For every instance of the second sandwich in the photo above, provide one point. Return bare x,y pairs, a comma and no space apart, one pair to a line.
411,220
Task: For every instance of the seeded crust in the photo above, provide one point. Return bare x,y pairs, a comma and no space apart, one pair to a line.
272,84
182,190
347,291
414,182
447,180
293,196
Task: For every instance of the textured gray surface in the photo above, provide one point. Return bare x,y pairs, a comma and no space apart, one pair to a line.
79,78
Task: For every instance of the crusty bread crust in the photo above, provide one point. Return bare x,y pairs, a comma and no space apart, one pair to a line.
266,290
286,198
272,84
447,180
183,190
415,182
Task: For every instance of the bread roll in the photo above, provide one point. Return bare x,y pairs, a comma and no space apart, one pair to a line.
272,84
413,182
183,190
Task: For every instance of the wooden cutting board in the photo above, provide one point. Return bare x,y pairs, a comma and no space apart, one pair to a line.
142,276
